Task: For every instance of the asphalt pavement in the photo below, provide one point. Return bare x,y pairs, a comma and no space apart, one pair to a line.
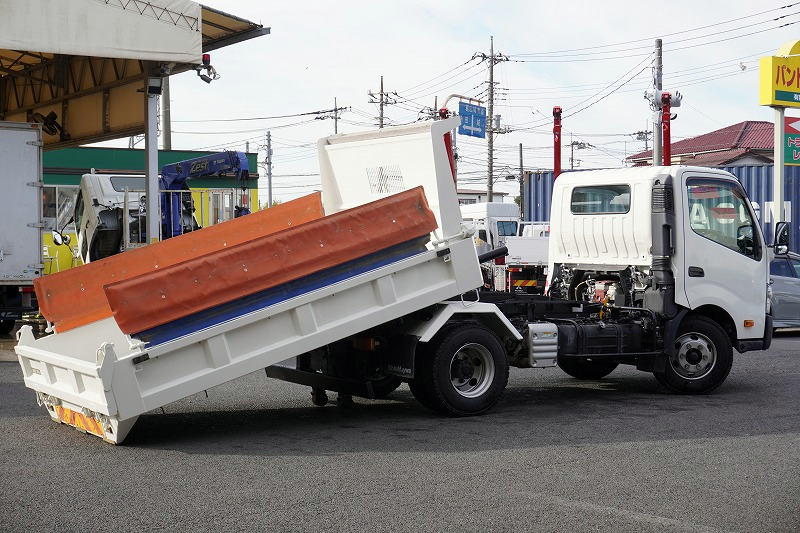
557,454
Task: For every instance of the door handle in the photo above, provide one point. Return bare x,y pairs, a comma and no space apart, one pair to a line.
696,272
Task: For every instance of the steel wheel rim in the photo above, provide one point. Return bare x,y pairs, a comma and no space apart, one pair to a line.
695,356
472,370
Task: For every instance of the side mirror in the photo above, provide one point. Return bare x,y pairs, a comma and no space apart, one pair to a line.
482,235
780,243
59,238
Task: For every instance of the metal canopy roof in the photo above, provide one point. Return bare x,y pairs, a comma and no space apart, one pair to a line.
82,99
221,29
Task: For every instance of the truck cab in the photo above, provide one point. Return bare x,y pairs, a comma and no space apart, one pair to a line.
100,214
493,221
675,240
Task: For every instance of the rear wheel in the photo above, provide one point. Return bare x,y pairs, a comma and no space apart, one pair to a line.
585,369
701,360
464,372
6,327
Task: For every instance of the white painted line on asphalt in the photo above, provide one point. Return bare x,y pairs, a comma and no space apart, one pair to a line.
673,524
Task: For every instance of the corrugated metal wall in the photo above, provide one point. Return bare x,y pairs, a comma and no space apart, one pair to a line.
538,192
756,180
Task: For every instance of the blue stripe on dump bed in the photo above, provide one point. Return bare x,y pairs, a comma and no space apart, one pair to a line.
254,302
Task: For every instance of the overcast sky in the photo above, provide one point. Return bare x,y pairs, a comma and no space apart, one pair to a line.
319,50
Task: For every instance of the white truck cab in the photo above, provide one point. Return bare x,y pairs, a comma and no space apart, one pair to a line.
614,228
99,206
493,221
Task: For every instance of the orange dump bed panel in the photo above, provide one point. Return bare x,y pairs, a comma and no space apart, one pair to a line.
75,297
221,276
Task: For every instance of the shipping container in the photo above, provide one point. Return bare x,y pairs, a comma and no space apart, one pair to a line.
756,180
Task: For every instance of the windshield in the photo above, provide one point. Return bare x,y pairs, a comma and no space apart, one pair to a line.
132,183
506,228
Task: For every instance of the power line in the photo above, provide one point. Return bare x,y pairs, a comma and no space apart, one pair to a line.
320,112
721,23
439,76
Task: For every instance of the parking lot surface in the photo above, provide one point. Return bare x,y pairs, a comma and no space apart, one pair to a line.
557,454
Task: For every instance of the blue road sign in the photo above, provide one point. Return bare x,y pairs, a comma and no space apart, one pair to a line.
473,120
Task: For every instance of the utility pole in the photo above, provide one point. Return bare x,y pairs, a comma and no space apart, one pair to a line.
382,99
643,136
269,169
521,186
166,116
490,127
490,130
335,117
656,104
571,153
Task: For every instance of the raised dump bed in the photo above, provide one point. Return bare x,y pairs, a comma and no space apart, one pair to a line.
156,324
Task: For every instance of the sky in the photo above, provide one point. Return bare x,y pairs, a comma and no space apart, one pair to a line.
594,59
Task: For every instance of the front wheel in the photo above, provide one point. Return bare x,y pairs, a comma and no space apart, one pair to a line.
583,369
701,360
464,372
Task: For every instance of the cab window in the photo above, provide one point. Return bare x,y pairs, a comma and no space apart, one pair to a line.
506,228
719,212
601,199
795,267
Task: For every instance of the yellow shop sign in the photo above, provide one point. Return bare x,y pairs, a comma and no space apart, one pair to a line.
780,77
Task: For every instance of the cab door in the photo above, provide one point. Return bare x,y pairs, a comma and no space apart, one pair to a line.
724,254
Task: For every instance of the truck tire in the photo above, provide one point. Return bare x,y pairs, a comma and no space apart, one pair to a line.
702,359
583,369
463,373
6,327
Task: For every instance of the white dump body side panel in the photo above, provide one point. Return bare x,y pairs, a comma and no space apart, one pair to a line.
613,241
20,202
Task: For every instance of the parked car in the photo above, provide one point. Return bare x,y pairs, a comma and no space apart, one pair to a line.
785,273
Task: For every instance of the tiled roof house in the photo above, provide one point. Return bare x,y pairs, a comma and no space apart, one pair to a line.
746,143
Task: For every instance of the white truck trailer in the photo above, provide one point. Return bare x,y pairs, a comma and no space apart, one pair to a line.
21,220
420,317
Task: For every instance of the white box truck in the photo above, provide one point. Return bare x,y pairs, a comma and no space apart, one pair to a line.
680,295
21,222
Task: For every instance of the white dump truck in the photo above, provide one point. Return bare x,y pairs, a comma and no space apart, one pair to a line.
21,222
382,284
